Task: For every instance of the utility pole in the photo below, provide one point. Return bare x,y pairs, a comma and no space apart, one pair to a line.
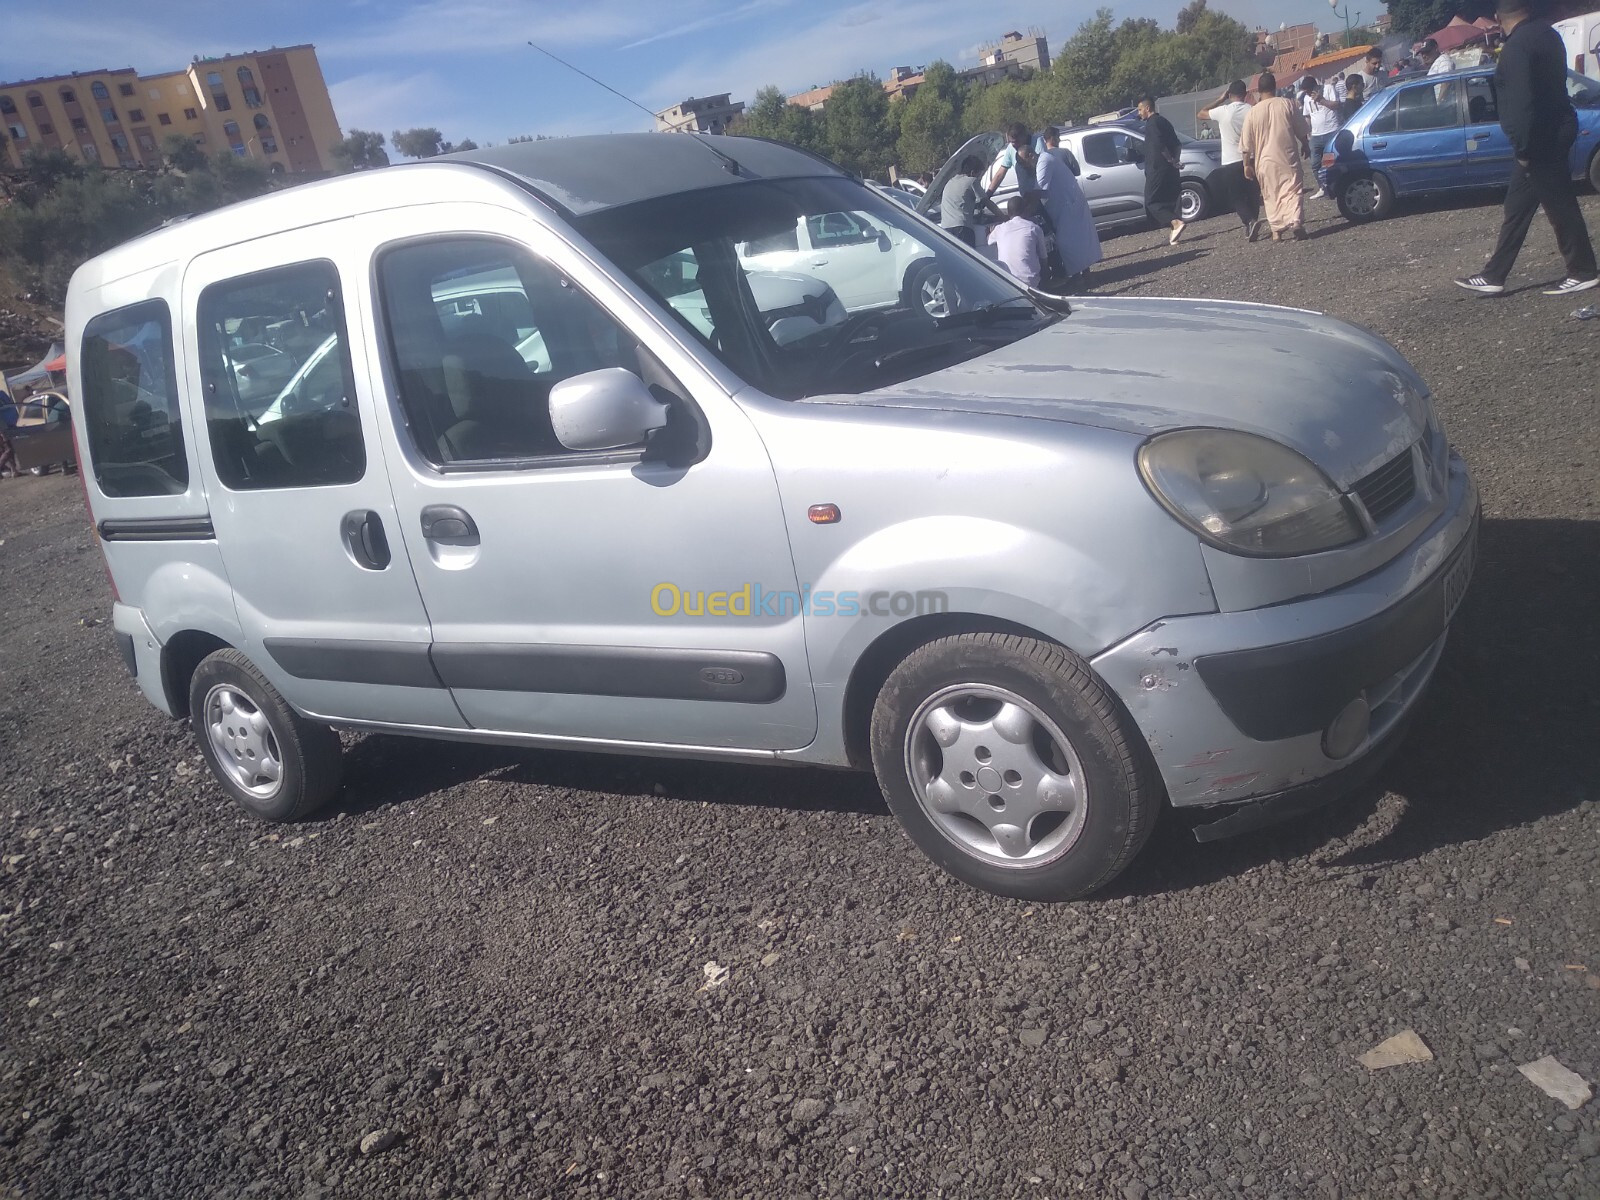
1334,4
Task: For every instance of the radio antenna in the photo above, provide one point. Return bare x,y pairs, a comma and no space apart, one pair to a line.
598,83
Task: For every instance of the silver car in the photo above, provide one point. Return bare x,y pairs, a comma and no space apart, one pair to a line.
551,476
1111,165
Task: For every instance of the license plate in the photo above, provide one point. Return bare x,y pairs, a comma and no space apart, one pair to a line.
1455,583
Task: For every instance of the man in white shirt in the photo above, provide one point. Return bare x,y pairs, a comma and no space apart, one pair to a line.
1323,117
1371,73
1437,64
1229,112
1019,243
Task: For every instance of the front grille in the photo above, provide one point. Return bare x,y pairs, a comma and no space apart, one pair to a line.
1388,489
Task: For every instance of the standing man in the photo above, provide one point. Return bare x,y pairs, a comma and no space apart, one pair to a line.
1437,64
1017,137
8,421
1162,185
1322,116
1530,83
1077,240
1371,73
1229,112
1274,141
963,201
1355,95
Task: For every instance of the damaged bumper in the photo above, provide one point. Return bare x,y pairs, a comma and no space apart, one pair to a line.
1291,702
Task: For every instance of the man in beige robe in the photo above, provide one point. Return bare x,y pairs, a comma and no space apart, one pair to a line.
1272,143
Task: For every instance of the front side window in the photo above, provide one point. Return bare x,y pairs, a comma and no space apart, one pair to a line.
1584,92
1482,108
1113,148
480,331
894,300
1429,106
130,403
280,395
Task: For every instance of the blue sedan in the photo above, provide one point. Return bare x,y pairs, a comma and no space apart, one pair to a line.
1442,133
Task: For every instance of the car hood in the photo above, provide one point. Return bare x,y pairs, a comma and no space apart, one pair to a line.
1341,396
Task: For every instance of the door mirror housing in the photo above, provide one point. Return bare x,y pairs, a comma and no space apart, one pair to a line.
608,409
884,244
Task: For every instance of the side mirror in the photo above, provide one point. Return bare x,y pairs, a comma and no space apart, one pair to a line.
884,244
606,409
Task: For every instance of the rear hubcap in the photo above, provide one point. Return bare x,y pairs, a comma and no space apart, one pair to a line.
1362,197
243,741
996,776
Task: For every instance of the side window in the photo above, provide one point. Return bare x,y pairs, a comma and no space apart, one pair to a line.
1100,149
837,229
1429,106
279,393
1385,120
1130,149
480,331
1481,106
784,241
130,403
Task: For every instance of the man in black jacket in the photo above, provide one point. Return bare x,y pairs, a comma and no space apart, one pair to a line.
1530,86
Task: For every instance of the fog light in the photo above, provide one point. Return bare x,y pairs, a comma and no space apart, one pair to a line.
1348,730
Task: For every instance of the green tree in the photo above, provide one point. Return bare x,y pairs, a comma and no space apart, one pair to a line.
180,151
1189,14
419,143
1418,18
361,150
464,144
930,121
764,115
858,134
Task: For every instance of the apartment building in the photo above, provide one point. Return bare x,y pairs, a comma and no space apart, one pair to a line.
1028,51
699,114
270,105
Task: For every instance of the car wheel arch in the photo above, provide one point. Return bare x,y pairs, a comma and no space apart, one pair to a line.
885,652
181,654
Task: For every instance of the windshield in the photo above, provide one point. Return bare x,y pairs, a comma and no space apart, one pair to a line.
812,286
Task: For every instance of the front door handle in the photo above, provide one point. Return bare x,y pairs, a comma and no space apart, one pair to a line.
1380,145
448,523
1091,177
819,262
364,537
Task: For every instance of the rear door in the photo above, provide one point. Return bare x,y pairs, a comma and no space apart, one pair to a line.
1418,138
300,499
1489,153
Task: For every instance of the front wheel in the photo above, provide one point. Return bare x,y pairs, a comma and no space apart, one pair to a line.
268,757
1594,170
1194,202
1367,198
1011,766
925,288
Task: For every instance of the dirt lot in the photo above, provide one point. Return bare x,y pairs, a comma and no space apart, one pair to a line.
497,958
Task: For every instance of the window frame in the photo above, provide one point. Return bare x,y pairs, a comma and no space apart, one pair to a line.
405,428
128,314
203,334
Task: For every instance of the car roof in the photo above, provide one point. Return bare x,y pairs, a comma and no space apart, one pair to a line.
588,174
573,176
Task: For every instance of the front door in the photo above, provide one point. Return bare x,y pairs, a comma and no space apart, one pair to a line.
1489,153
1113,175
578,595
295,477
1418,138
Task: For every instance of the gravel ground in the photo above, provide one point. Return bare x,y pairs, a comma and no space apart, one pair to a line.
486,973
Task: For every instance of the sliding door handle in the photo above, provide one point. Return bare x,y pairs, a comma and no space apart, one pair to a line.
363,536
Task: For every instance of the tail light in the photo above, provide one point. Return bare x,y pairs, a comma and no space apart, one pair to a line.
1577,63
1328,159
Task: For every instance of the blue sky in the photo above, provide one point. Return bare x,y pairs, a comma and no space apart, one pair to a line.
464,66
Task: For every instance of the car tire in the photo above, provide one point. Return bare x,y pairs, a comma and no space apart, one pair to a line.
277,764
924,287
1194,201
1011,766
1370,198
1594,170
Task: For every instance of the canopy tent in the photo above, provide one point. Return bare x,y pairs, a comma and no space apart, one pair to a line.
1460,33
53,360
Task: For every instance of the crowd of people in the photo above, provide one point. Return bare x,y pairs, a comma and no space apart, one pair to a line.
1271,142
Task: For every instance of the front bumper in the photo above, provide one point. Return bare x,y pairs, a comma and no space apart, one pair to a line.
1234,705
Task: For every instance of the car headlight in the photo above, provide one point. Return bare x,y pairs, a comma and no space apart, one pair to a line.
1246,494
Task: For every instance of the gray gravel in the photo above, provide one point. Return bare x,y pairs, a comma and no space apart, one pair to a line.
485,973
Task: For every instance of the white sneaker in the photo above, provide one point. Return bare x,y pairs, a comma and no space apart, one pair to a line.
1319,194
1569,285
1477,283
1176,234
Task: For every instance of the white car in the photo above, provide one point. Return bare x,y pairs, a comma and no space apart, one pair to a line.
868,264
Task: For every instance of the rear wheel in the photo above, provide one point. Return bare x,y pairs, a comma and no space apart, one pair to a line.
1368,198
266,756
1009,764
1194,201
1594,171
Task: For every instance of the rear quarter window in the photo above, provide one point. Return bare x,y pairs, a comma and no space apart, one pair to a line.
131,412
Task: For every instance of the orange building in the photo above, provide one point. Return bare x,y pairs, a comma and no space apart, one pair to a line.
272,105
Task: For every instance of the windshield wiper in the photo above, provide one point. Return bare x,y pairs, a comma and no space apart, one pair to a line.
988,314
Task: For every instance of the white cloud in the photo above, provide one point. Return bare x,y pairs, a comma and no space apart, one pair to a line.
386,101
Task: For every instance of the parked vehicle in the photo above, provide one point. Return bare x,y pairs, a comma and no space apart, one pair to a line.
42,437
1442,133
1045,568
1112,160
1581,36
867,263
